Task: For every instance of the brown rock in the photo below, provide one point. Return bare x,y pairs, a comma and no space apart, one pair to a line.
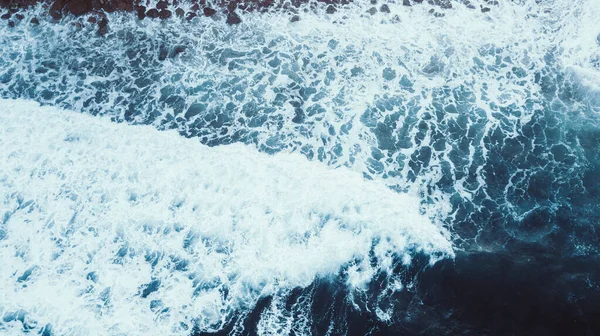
295,18
165,14
209,11
162,5
5,16
233,18
141,12
195,8
78,8
92,19
331,9
11,24
55,10
384,8
35,21
20,16
179,12
128,5
153,13
109,6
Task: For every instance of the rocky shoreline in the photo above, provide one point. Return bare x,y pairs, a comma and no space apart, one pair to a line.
188,10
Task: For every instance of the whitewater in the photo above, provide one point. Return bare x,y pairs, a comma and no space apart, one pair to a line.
425,171
96,213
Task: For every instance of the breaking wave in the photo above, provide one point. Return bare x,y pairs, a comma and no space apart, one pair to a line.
479,129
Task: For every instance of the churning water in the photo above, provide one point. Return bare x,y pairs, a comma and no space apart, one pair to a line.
398,173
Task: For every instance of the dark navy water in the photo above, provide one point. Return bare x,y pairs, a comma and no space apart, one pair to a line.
500,140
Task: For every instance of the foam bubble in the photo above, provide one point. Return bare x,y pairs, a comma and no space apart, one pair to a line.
116,229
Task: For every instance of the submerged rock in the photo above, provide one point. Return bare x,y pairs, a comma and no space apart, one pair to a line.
190,16
178,50
233,18
468,4
231,6
446,4
209,11
163,53
103,27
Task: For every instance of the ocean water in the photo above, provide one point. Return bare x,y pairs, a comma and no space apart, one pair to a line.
347,174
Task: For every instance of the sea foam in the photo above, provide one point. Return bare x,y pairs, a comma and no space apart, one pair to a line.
110,229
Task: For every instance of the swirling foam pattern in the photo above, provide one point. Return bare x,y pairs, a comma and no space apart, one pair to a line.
135,231
490,118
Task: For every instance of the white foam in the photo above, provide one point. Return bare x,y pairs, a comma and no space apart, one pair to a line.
77,191
495,55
